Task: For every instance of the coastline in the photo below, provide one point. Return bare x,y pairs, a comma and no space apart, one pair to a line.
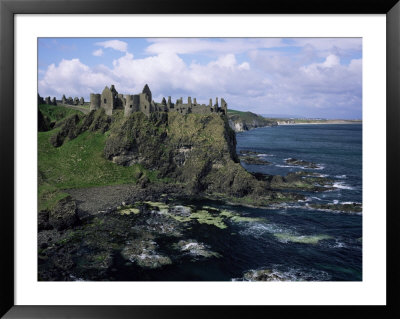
323,123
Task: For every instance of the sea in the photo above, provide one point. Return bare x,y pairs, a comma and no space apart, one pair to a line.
292,241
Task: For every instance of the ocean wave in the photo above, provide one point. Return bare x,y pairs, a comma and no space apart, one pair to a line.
340,176
349,203
343,243
320,167
258,230
265,155
342,185
287,166
315,197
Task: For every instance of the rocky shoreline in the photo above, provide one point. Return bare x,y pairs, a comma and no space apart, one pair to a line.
130,222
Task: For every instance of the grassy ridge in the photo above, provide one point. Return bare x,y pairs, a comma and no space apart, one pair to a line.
57,113
249,119
246,116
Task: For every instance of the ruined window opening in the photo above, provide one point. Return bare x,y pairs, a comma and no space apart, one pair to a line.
105,101
130,106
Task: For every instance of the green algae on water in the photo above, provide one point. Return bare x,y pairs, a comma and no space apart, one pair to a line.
305,239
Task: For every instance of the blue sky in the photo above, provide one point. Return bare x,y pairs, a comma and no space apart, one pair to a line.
310,77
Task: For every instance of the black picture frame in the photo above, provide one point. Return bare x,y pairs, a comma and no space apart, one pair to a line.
10,8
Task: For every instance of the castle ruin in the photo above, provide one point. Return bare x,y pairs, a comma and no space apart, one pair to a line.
111,100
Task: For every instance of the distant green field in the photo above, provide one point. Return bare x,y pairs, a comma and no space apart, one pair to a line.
249,116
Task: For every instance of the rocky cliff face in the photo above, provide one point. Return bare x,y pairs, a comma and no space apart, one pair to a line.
244,121
196,150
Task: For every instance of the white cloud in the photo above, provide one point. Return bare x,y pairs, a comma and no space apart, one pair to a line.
302,81
331,61
72,78
98,52
244,66
114,44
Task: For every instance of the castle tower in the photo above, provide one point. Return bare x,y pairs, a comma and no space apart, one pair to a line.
169,104
194,101
76,101
146,90
107,100
64,99
47,100
189,101
95,101
224,106
82,101
216,102
210,104
54,101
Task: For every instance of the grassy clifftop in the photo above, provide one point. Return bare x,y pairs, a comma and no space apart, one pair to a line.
243,121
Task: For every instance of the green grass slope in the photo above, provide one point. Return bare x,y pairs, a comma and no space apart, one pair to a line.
56,113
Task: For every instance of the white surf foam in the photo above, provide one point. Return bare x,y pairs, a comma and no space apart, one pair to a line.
265,155
315,197
342,185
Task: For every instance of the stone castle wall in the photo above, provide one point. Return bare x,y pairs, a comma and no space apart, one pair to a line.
111,100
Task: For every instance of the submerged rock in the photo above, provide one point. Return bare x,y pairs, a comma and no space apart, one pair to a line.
263,275
194,248
301,239
253,160
302,180
180,210
144,254
343,207
297,162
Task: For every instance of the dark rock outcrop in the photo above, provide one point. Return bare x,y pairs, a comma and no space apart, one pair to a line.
342,207
68,129
75,125
253,160
44,123
302,163
64,214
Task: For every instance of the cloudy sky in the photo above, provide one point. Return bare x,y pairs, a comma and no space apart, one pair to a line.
310,77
